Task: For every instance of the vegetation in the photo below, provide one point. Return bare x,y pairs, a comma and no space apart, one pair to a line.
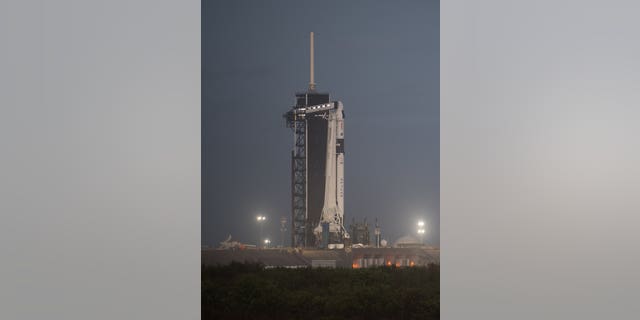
249,291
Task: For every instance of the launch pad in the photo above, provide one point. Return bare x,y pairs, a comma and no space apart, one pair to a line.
354,258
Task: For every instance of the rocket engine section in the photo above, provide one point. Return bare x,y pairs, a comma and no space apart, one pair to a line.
333,208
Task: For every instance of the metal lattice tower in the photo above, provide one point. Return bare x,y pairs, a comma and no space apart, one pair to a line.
299,181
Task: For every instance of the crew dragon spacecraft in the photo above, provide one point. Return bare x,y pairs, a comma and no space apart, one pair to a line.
317,167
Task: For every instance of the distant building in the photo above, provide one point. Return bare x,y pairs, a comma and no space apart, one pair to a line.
407,242
359,233
323,263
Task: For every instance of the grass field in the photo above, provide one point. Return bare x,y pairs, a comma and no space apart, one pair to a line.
248,291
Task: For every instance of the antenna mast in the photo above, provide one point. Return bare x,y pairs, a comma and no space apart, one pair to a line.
312,85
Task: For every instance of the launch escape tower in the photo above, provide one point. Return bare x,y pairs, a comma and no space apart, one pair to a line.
317,167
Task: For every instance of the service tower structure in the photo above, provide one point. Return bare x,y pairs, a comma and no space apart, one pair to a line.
317,167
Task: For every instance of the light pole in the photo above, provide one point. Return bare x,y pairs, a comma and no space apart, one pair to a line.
283,229
421,231
261,219
377,233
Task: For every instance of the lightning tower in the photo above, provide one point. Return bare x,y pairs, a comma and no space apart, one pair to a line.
317,167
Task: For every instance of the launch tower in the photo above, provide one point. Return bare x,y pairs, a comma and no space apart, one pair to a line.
317,167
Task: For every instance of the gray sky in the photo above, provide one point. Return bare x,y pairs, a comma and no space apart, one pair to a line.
380,58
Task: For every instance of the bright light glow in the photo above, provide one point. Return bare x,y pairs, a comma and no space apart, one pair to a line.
420,223
267,241
261,218
420,231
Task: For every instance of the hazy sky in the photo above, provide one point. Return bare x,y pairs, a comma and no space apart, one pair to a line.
380,58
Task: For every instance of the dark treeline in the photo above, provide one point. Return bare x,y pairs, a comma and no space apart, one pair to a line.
248,291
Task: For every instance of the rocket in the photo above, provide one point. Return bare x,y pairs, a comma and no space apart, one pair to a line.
333,208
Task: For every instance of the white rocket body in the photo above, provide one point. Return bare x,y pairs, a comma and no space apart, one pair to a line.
333,208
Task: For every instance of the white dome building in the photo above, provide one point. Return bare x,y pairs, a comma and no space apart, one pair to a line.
407,242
